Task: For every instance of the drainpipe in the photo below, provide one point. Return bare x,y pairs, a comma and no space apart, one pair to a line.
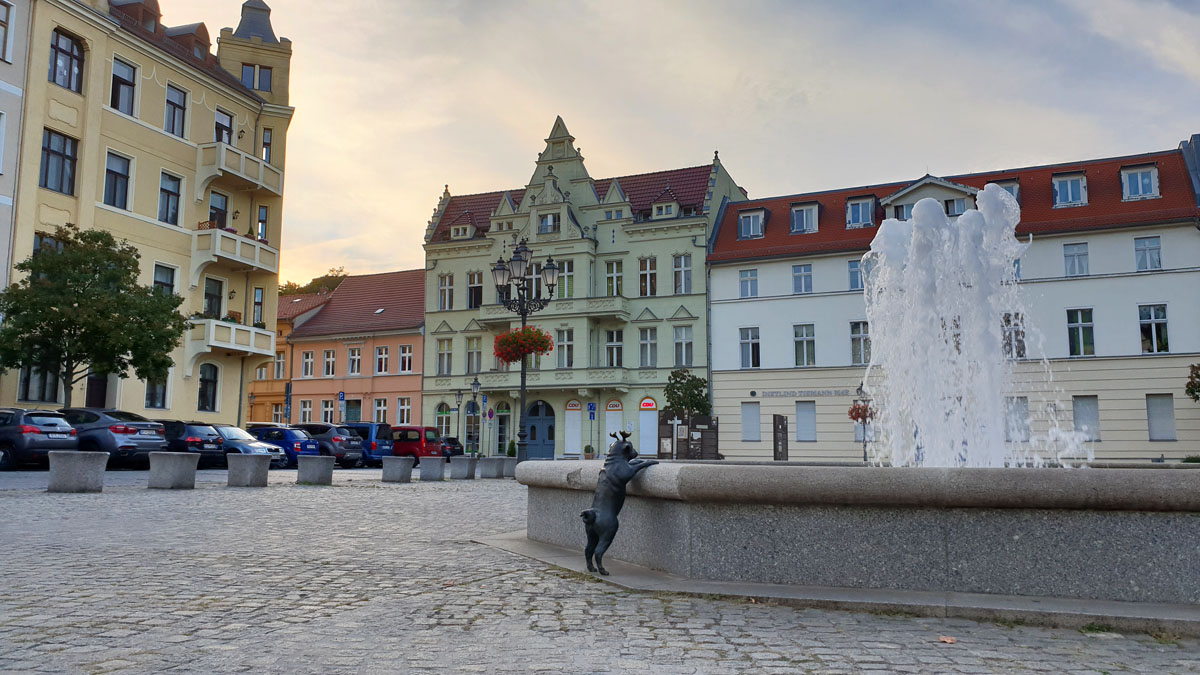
241,390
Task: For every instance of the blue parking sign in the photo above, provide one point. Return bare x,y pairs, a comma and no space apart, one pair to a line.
342,396
485,399
592,409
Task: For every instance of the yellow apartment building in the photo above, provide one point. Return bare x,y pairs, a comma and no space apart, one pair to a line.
138,128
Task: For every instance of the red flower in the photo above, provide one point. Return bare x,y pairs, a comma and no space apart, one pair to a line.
518,343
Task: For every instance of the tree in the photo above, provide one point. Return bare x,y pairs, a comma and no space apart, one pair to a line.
80,309
687,394
323,284
1192,388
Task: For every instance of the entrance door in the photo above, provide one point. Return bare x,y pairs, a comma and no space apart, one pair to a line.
540,425
97,391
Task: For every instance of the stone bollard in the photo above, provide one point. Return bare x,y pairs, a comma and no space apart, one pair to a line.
433,468
75,471
173,470
510,467
462,468
248,470
315,470
398,469
491,467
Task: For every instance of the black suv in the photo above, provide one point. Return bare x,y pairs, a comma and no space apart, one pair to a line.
27,435
194,437
335,440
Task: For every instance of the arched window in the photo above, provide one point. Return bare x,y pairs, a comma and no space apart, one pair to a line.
66,61
473,419
442,419
206,401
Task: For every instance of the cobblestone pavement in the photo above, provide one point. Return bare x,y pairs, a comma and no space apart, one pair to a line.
364,577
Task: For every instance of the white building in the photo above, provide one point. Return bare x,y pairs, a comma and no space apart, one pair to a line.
1111,281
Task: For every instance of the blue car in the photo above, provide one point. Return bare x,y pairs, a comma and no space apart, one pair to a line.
294,442
376,438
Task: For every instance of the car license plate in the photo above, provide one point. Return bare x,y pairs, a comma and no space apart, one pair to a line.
59,435
148,432
210,446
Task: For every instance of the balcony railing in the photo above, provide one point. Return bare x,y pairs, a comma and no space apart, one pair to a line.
211,244
559,378
208,336
615,307
222,159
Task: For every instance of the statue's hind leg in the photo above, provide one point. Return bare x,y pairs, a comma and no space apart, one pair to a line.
606,540
592,538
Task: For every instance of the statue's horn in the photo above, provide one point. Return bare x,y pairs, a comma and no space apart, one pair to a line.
613,435
625,435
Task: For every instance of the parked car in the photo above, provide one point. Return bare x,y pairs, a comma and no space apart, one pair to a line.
376,441
126,437
27,435
294,442
239,440
336,440
416,442
451,446
195,437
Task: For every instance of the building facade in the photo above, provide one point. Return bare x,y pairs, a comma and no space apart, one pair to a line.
629,306
267,400
14,53
139,129
1110,282
359,356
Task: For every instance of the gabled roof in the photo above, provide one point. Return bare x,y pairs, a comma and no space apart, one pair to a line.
1106,207
665,196
292,306
922,182
353,306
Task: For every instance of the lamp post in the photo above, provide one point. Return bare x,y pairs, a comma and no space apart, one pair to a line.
865,401
458,406
478,414
516,291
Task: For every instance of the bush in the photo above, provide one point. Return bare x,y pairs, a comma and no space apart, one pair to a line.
1192,459
512,448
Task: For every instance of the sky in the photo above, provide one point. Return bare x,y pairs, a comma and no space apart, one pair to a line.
396,98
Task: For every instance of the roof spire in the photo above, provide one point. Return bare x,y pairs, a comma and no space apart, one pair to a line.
716,156
256,22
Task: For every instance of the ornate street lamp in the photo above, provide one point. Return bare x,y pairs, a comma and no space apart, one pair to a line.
478,413
516,290
458,407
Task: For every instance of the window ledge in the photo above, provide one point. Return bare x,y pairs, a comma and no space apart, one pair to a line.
1070,205
1140,198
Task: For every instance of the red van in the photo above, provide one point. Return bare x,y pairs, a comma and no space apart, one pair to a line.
416,442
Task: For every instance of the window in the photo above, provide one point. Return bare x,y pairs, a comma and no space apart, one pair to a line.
1139,183
956,207
681,268
608,215
327,411
802,279
263,218
58,162
1013,188
859,212
444,357
1016,419
1080,332
206,399
1075,259
1152,320
260,373
566,348
804,219
267,138
247,76
860,343
474,355
612,278
223,127
404,410
305,411
277,413
42,242
549,223
124,82
648,343
176,109
264,78
442,419
214,294
1013,327
683,345
38,384
445,291
280,365
116,181
535,280
648,277
748,283
5,22
1070,190
749,347
856,277
406,358
381,410
1148,252
474,290
751,427
902,212
381,360
306,364
169,189
1086,412
1160,416
806,421
218,209
613,344
805,337
566,279
354,361
66,61
750,225
330,361
164,279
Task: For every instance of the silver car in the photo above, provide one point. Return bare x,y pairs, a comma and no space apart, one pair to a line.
126,437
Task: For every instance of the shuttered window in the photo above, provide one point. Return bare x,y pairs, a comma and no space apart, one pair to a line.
806,421
1160,415
1087,416
751,427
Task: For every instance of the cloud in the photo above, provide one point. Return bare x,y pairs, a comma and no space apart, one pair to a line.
1164,32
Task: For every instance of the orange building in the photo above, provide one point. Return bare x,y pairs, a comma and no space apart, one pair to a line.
267,400
365,343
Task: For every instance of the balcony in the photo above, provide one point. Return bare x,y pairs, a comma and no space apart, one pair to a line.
211,244
215,160
573,378
615,308
208,336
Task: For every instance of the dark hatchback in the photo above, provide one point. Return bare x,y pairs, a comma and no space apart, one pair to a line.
376,438
28,435
237,440
195,437
125,436
294,442
451,446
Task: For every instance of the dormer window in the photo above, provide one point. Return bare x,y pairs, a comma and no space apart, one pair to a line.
750,225
198,51
460,232
664,210
902,212
860,212
549,224
150,24
658,211
1012,187
804,219
1070,190
956,207
1139,182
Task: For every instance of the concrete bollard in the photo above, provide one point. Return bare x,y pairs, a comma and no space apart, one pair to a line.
75,471
248,470
398,469
491,467
433,468
173,470
510,467
315,470
462,468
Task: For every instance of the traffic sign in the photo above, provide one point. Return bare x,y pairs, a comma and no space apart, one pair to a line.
592,409
485,399
341,396
592,415
491,413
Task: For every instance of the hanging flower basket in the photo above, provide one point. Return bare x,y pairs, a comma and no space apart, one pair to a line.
518,343
861,412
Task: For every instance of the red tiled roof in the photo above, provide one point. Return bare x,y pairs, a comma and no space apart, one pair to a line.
352,306
689,186
292,306
1105,207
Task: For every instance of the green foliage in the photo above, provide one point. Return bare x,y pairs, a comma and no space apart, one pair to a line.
687,394
1192,388
82,308
1192,459
512,448
323,284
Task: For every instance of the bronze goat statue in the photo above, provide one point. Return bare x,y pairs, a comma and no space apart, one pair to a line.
600,521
